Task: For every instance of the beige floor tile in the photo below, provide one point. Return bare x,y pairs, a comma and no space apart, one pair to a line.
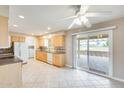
36,74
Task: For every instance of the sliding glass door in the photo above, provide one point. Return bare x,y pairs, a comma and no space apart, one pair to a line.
82,58
93,51
99,52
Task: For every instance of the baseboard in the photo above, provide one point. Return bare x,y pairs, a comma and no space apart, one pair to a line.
106,76
118,79
68,66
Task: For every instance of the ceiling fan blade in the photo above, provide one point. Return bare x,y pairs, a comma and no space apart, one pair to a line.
70,26
97,14
85,21
84,9
71,17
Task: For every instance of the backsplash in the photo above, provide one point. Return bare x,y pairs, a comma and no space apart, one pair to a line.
53,49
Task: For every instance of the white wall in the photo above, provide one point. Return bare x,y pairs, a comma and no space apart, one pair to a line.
4,10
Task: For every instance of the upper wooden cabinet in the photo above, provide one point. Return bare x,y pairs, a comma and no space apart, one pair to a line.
40,41
58,41
4,40
54,41
17,39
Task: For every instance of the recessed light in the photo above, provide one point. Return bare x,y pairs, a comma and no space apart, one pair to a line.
15,25
49,28
20,16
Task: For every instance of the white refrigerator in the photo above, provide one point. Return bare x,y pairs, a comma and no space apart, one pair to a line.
21,51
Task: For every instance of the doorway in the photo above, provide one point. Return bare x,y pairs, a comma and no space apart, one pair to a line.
93,52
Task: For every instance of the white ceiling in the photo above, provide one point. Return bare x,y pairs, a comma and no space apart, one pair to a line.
39,18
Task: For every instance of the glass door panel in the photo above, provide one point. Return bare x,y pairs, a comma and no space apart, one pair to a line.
99,52
82,45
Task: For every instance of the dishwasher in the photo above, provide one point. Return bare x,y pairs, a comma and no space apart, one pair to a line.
50,57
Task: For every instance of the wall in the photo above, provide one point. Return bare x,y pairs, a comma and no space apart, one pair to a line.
118,45
4,10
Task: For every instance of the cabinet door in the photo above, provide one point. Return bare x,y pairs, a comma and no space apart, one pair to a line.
41,41
21,39
14,39
4,40
58,41
44,56
17,39
38,55
58,60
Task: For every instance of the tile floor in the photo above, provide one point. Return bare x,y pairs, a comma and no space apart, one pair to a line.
37,74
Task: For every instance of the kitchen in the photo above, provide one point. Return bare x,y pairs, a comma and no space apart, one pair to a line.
51,49
38,51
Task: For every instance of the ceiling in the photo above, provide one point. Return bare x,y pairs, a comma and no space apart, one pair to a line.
37,19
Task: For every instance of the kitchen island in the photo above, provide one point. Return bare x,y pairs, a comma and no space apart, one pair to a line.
10,72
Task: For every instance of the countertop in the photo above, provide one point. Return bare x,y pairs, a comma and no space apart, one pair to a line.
51,52
9,61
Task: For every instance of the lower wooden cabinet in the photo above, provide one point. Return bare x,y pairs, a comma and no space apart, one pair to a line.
38,55
58,60
42,56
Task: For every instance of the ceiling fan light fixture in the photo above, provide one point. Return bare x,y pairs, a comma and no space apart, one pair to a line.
77,21
84,19
20,16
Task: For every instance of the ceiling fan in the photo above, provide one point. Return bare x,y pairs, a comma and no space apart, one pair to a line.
82,14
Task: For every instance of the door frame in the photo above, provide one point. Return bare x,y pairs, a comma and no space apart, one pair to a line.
74,45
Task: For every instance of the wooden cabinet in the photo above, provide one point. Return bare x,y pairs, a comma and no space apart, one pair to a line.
55,41
40,41
38,55
58,60
4,40
58,41
42,56
17,39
